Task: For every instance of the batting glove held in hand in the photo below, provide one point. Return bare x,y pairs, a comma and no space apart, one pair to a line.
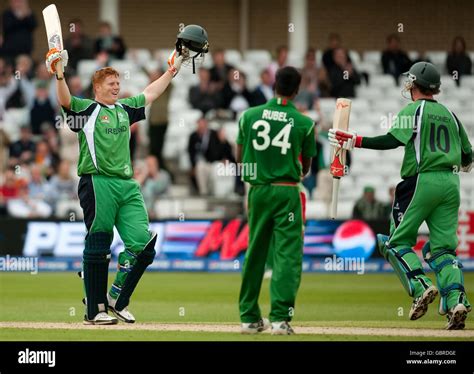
53,57
344,139
174,63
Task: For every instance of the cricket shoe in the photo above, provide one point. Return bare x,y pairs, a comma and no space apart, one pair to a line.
123,315
101,318
255,327
282,328
457,317
420,304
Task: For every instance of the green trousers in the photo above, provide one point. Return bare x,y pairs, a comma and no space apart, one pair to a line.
434,198
275,219
117,202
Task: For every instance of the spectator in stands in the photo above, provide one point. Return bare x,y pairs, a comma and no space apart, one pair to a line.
235,94
10,188
280,62
7,85
203,96
24,91
45,159
43,110
50,136
25,86
343,76
264,90
25,207
395,61
220,71
334,42
458,61
155,183
110,43
18,24
311,78
102,59
37,187
62,186
367,207
205,147
75,86
43,77
24,148
158,121
78,44
317,164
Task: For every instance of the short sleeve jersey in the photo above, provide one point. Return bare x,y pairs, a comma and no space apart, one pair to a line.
273,136
104,134
433,136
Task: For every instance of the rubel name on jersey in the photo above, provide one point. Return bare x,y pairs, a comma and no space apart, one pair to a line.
274,115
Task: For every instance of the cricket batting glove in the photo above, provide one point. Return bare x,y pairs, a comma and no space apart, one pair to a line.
344,139
53,57
174,63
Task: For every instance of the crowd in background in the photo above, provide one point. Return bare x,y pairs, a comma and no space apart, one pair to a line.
38,176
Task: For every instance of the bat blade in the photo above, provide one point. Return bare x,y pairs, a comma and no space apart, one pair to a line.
338,161
53,27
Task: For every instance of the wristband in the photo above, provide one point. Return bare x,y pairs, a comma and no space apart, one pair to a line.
358,142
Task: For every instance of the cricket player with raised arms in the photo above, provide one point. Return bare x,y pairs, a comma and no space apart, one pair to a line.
108,195
437,148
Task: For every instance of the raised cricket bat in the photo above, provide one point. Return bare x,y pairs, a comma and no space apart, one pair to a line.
53,32
338,161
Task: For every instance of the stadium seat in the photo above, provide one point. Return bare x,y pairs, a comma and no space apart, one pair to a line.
140,56
260,58
295,59
232,57
438,58
374,57
382,81
448,83
368,67
413,55
467,81
124,67
167,208
13,119
355,58
86,68
162,55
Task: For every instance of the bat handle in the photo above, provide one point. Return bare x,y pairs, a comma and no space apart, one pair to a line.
335,193
59,70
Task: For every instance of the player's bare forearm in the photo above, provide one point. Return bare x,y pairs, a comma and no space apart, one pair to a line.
154,90
62,91
306,163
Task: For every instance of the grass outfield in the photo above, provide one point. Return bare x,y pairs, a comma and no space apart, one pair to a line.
324,300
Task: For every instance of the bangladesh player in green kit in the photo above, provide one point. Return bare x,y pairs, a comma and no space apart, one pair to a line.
272,137
107,193
436,149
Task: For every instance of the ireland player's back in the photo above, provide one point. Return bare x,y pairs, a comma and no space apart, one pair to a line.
273,136
434,136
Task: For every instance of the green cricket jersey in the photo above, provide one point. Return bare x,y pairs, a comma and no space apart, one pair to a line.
433,136
104,134
273,136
